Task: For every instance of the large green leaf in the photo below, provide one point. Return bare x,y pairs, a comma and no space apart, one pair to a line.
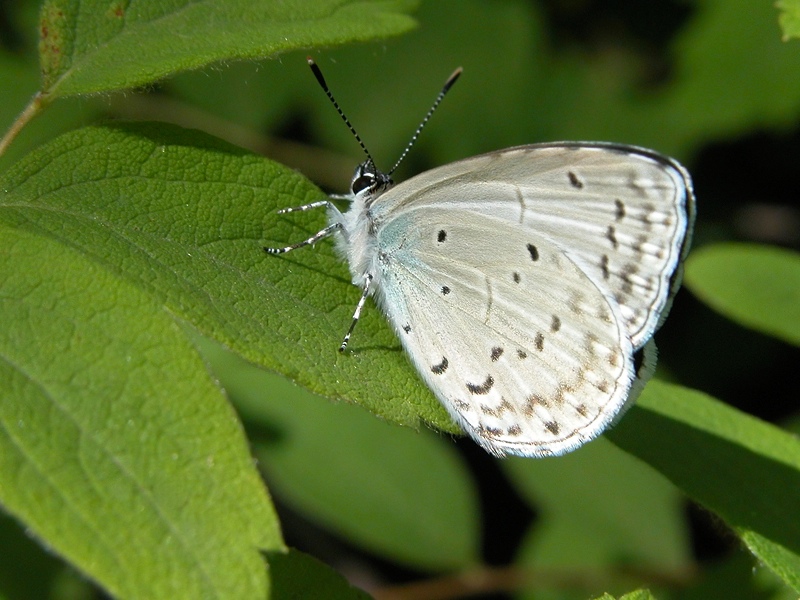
756,286
184,218
112,237
96,45
117,448
745,470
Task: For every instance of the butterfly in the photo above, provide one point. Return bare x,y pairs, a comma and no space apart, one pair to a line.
521,282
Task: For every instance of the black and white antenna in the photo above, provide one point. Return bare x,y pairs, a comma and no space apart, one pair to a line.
445,88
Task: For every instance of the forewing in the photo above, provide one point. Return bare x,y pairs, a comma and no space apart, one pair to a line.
523,349
622,214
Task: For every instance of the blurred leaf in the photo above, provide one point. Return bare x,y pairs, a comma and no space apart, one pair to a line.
296,575
90,46
789,18
721,85
745,470
756,286
642,527
401,493
635,595
732,578
111,425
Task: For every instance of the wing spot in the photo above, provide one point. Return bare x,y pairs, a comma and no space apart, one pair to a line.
555,324
441,367
611,236
442,236
581,410
497,352
574,181
534,252
483,388
604,266
506,406
603,386
534,400
613,359
407,328
552,427
539,341
485,431
627,282
445,290
462,405
514,430
620,210
522,355
515,276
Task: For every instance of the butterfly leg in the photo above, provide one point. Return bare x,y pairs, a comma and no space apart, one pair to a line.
330,229
357,313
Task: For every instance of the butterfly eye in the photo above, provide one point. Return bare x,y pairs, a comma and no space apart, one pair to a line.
362,182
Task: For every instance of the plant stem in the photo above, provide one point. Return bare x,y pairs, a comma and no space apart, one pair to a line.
29,112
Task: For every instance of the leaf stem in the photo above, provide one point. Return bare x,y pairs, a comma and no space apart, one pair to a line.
33,108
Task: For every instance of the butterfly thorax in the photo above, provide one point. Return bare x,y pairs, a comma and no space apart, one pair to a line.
358,242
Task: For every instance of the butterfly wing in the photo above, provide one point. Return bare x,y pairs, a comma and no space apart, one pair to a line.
520,283
520,346
624,214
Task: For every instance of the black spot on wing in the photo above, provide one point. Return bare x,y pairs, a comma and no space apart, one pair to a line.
552,427
445,290
515,276
533,251
611,236
483,388
539,341
497,352
407,328
442,236
574,181
555,324
441,367
604,266
619,210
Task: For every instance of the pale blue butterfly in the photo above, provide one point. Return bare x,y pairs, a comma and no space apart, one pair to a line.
520,282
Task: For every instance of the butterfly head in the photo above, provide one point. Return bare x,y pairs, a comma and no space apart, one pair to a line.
369,180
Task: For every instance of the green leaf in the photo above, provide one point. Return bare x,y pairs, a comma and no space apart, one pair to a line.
635,516
756,286
184,218
117,448
745,470
297,575
398,492
789,18
97,46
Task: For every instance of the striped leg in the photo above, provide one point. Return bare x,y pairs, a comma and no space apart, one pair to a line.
314,238
357,313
